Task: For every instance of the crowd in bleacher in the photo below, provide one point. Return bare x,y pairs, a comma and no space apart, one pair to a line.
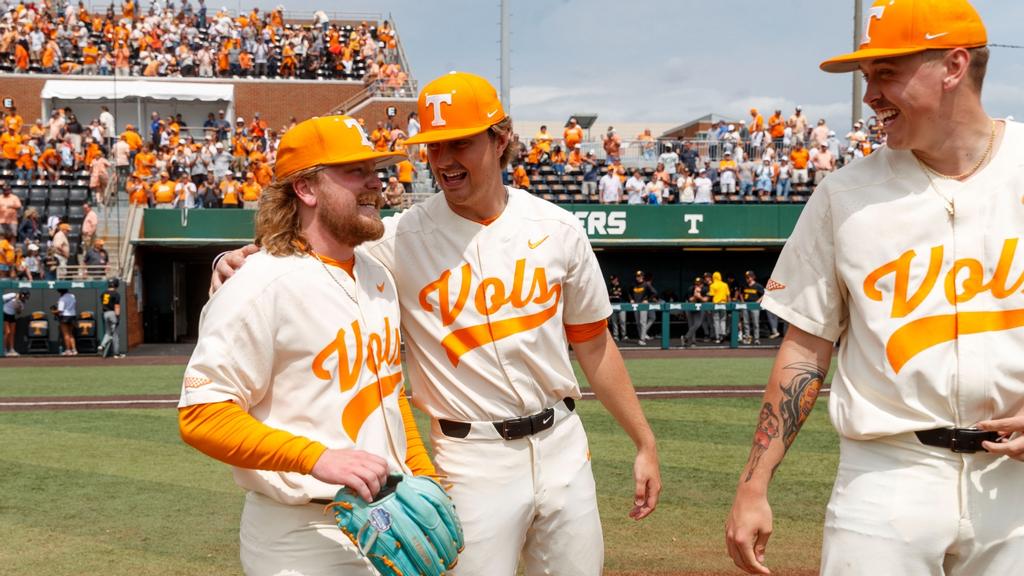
190,41
778,161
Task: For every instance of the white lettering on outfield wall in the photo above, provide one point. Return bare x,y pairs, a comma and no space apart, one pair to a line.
602,223
693,219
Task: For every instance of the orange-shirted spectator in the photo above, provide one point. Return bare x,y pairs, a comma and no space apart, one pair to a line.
777,127
14,121
288,62
575,160
10,141
138,191
264,173
573,134
799,158
520,179
128,9
132,137
558,159
230,189
163,191
258,127
36,130
25,163
380,137
90,58
251,190
245,62
406,172
145,162
49,60
533,157
92,151
756,126
49,163
20,57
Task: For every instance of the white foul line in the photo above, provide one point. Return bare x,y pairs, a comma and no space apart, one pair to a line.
87,402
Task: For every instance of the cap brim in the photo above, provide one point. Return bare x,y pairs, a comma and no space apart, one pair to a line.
851,62
444,135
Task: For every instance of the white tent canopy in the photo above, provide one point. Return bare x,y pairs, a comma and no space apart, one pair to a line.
131,101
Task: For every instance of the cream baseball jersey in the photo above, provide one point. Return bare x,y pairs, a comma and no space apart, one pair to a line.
289,345
922,279
485,307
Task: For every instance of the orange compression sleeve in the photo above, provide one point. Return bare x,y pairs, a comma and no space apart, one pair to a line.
416,457
224,431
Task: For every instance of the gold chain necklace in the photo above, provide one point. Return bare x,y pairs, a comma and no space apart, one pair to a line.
969,173
929,171
333,277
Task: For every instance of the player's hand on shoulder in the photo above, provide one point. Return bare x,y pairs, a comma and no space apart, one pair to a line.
647,474
1008,445
747,531
362,472
228,264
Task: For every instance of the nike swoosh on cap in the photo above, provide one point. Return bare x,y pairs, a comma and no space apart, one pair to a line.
928,36
492,113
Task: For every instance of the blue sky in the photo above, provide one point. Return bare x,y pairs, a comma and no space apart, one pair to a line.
665,61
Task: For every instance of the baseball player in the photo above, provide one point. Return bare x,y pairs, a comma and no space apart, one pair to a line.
909,258
110,300
14,302
296,380
494,284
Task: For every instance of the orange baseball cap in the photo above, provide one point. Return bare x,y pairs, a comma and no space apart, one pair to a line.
326,140
902,27
456,105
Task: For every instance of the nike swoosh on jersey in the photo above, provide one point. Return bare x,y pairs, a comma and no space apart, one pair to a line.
533,244
934,36
380,287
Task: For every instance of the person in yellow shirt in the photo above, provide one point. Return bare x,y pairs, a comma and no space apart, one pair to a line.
230,190
164,191
379,137
543,139
251,190
719,292
132,137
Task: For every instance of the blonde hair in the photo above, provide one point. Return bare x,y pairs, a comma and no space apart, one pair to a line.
496,130
278,226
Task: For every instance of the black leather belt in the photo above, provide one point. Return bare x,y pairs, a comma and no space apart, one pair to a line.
965,440
511,429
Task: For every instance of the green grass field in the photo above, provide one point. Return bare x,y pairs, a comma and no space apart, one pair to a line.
116,492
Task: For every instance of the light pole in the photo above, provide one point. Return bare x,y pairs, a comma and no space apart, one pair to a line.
858,35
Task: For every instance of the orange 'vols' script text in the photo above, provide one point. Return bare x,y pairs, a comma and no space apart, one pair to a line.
489,297
378,351
923,333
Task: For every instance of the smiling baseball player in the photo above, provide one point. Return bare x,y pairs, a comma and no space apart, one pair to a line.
494,286
910,259
296,380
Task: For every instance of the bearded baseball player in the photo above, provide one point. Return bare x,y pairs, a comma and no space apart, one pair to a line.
909,258
296,380
495,285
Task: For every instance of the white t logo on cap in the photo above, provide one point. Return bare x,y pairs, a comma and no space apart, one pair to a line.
436,100
876,14
352,123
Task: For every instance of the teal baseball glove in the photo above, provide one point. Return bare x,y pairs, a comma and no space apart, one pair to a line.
409,529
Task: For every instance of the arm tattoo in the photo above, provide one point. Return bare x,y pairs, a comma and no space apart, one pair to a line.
767,430
798,397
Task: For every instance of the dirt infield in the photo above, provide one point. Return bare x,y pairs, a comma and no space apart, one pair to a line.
24,403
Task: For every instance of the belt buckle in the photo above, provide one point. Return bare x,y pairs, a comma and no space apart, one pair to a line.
967,440
510,429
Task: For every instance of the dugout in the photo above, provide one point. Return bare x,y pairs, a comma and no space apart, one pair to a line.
43,294
674,243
